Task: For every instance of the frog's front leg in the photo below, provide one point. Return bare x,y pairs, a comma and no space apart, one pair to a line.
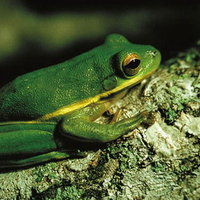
23,144
80,126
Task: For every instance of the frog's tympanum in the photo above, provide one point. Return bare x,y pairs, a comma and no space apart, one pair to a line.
42,110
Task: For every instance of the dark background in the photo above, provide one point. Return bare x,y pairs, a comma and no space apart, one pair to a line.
36,34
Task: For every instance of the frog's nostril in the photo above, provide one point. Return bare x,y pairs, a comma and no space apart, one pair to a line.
154,53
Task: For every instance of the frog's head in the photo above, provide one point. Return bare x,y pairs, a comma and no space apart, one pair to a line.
131,63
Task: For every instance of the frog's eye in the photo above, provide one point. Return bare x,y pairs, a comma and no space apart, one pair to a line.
131,64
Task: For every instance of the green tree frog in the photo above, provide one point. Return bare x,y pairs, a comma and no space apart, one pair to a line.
43,111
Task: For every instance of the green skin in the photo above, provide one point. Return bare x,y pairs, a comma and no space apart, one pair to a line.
42,112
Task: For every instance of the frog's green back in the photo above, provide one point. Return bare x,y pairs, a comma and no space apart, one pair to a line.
46,90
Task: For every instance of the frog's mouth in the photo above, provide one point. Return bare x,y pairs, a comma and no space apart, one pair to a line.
92,100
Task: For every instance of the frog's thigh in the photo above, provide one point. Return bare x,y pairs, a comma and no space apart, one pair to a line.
26,147
84,130
26,142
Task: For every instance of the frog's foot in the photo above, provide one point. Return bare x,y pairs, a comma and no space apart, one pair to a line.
116,116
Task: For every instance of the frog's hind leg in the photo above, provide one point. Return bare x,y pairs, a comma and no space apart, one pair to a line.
25,146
